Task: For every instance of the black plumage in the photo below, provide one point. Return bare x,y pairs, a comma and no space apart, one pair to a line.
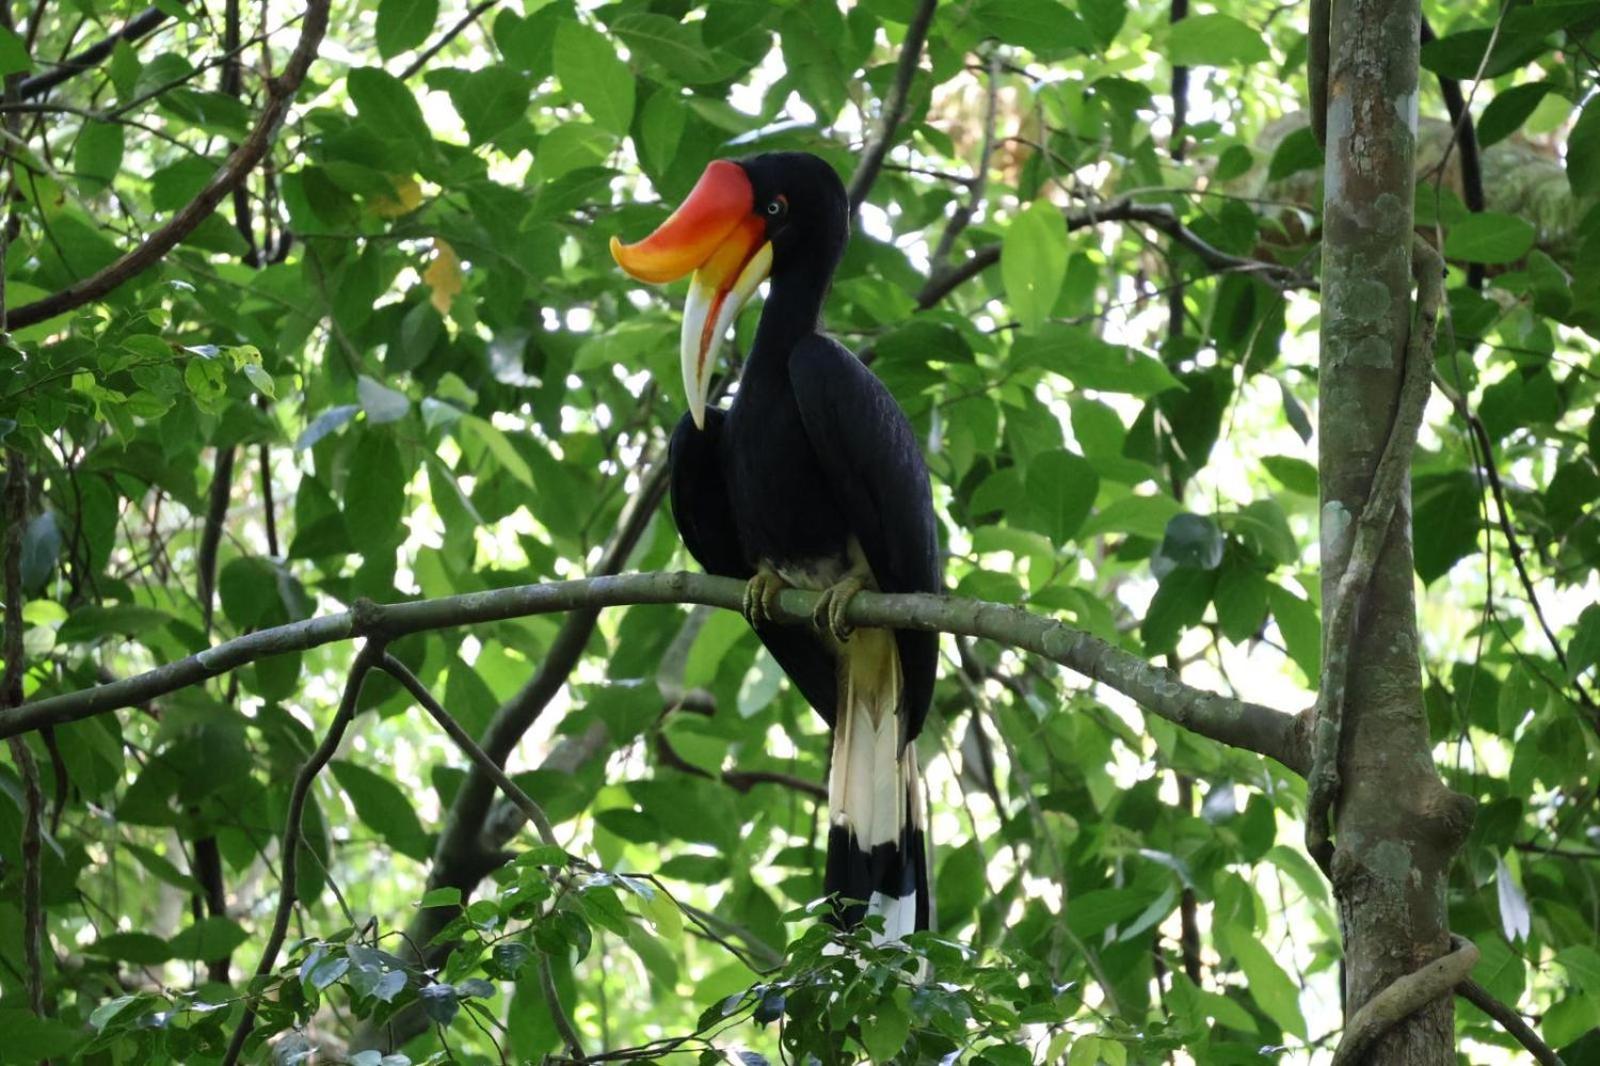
815,474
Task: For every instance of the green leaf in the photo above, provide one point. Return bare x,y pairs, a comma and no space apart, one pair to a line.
1140,516
960,886
1215,41
207,939
440,897
387,106
1302,630
404,24
884,1035
1583,153
94,621
1091,363
490,100
381,403
1061,489
13,54
1489,237
375,489
141,949
1296,475
384,808
1044,27
1296,152
1192,540
98,156
1508,110
1269,986
589,69
1033,262
29,1038
1583,651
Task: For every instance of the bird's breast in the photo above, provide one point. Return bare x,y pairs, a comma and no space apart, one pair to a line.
786,512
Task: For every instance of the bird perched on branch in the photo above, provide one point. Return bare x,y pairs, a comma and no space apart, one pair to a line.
812,479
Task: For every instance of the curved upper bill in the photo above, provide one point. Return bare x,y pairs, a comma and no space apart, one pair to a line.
716,235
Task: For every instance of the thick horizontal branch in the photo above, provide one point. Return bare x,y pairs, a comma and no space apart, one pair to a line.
280,94
1156,689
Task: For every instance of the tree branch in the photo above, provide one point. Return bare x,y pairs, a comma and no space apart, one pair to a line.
1403,997
1156,216
368,657
469,747
894,110
1389,482
141,25
280,94
426,55
1245,725
15,505
1509,1020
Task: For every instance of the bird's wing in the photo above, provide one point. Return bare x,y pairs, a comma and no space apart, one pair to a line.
874,466
700,498
704,516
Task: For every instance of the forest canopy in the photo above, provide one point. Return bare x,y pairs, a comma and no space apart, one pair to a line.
310,317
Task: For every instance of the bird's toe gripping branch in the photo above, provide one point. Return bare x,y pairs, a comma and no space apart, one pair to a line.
828,617
760,594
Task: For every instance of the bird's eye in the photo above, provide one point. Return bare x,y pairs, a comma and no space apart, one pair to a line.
778,207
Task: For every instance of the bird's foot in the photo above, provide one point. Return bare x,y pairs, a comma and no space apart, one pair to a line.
828,617
760,594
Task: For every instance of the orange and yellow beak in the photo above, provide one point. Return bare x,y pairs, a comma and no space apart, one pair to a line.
717,235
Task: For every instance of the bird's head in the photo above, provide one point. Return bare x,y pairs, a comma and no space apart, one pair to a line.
745,220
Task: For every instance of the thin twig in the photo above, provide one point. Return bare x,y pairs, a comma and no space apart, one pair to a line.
1514,544
980,180
1371,529
369,656
211,534
470,749
426,55
894,107
1509,1020
558,1013
1157,216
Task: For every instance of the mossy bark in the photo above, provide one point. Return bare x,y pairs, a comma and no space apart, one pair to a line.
1397,827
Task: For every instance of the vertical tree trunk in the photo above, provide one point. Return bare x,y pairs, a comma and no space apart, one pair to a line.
1397,827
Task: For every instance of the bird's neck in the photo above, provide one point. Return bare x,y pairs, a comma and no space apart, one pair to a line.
792,312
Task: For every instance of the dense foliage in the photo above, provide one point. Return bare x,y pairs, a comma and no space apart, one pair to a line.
400,363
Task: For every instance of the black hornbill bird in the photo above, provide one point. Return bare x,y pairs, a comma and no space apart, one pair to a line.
811,479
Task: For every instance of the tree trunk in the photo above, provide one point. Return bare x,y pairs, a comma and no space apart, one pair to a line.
1397,826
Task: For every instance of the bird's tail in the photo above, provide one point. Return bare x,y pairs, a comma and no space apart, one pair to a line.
877,848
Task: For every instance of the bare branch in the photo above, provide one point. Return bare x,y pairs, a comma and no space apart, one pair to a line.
470,749
1509,1020
1157,216
1157,689
368,657
280,94
141,25
894,108
426,55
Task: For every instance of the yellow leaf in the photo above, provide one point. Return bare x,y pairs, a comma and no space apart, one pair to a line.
407,197
443,276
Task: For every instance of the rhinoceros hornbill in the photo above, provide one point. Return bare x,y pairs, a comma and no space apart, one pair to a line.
811,479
